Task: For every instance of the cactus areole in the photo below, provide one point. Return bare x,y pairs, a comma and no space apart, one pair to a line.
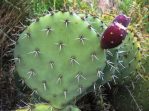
58,57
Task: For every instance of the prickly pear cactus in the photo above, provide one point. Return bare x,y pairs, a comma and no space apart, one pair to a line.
59,56
125,60
128,57
46,107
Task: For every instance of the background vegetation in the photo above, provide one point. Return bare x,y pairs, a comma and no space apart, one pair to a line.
15,15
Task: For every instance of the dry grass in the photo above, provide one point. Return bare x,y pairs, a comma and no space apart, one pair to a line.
12,14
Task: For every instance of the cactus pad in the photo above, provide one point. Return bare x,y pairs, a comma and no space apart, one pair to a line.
59,56
46,107
128,57
36,107
123,62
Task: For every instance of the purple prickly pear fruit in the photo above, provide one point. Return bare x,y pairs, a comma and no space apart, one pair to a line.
122,19
113,36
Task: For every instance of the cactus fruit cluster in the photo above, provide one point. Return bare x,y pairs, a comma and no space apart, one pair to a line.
62,54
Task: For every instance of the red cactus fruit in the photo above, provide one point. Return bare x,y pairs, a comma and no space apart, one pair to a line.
122,19
113,36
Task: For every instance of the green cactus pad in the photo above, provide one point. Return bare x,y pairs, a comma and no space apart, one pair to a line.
37,107
129,55
59,56
124,61
46,107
